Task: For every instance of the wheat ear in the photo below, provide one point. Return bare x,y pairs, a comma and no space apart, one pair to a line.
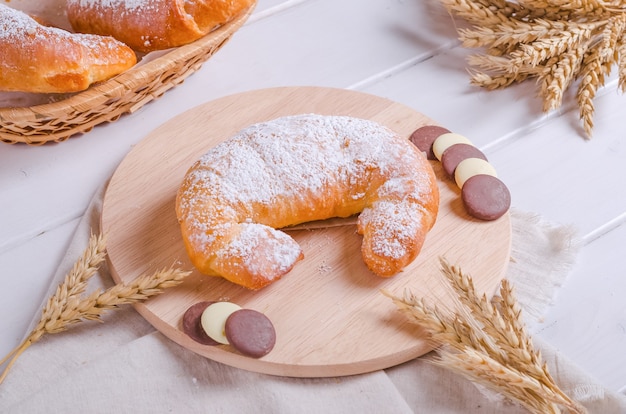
560,42
487,342
66,306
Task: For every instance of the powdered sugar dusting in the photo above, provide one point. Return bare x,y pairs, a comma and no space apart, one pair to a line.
16,27
311,163
113,17
394,226
294,157
130,5
253,245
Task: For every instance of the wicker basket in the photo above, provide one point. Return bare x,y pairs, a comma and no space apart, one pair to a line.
107,101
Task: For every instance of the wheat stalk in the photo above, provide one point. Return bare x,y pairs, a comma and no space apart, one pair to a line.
559,42
486,341
481,368
67,306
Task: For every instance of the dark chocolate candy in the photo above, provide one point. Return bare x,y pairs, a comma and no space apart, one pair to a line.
250,332
456,153
424,137
485,197
192,326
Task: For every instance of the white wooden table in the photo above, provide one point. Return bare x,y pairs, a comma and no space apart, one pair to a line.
403,50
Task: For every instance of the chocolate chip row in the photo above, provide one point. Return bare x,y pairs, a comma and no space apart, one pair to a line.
484,195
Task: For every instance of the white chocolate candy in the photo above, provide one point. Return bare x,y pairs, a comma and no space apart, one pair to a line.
470,167
213,320
444,141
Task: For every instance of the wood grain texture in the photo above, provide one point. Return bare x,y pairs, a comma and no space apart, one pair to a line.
329,314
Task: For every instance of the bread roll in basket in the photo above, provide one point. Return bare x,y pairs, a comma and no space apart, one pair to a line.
68,115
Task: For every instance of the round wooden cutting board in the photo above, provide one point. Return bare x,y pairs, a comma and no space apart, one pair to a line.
329,313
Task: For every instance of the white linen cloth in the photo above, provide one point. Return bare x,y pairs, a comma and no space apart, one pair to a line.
125,366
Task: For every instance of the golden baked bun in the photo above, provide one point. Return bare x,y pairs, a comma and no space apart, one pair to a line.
37,58
148,25
297,169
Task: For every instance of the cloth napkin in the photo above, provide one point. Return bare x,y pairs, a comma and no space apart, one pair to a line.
125,366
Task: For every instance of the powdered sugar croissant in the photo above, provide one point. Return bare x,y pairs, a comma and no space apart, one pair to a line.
302,168
37,58
148,25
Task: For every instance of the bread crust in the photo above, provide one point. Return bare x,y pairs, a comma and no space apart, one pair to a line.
41,59
149,25
297,169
